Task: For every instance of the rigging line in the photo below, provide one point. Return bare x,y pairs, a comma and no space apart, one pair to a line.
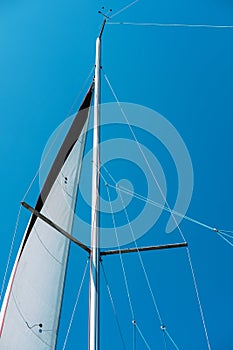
10,252
186,25
143,154
113,305
124,273
55,138
194,281
196,289
150,201
156,204
165,200
166,332
79,93
134,335
122,263
225,231
164,339
142,263
198,298
75,305
225,234
139,254
140,258
143,267
225,239
142,336
124,8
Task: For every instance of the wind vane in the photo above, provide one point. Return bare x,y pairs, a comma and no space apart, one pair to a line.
106,15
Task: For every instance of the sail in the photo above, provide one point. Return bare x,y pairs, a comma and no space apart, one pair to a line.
31,307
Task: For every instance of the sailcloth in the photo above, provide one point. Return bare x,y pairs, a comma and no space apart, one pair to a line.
31,308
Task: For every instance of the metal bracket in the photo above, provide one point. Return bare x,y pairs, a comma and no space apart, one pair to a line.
143,249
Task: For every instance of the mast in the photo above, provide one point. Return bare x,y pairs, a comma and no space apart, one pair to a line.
93,341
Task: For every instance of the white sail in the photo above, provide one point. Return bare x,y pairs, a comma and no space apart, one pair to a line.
31,307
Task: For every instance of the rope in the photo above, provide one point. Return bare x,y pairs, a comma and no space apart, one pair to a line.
113,306
75,306
10,252
124,8
186,25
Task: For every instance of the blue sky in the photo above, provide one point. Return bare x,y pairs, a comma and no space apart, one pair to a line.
47,51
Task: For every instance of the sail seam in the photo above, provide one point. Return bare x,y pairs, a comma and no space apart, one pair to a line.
44,246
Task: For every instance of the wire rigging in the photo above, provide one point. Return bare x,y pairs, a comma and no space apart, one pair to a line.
122,264
10,252
144,271
177,25
172,341
120,255
142,153
124,8
165,208
113,305
141,262
75,305
156,204
220,234
165,200
142,336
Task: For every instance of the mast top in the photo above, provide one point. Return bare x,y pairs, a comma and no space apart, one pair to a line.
102,29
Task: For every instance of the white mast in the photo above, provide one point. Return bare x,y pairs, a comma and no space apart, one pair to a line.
93,343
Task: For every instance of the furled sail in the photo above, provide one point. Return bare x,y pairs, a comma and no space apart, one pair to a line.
31,307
